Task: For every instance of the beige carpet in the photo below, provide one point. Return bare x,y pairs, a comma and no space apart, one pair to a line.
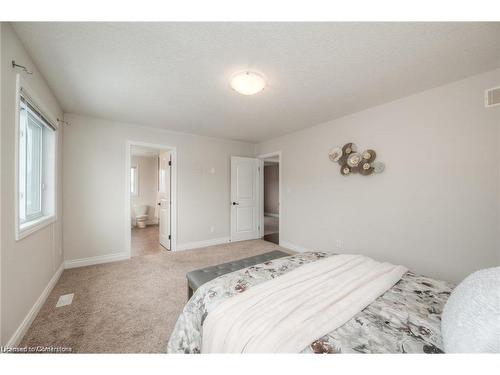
129,306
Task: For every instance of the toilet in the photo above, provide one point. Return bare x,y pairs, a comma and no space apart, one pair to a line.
141,215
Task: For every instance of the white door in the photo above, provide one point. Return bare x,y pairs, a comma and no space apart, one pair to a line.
164,198
245,174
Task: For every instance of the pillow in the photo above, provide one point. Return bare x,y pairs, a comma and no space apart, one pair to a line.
470,322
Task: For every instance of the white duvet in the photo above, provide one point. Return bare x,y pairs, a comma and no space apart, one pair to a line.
289,312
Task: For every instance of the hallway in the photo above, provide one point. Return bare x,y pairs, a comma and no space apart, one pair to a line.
271,229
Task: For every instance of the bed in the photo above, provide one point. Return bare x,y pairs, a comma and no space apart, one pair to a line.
404,319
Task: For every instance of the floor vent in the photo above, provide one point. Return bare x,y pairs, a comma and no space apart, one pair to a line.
492,97
65,300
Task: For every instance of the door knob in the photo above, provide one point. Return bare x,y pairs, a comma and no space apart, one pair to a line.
235,204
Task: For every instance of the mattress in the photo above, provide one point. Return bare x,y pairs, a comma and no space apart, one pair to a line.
405,319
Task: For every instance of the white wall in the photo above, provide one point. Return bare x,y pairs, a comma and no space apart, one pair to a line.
148,186
27,265
434,209
94,185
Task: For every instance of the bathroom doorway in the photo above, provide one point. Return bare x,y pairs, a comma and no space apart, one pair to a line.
150,198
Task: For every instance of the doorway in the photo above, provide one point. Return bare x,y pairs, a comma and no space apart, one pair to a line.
255,199
150,202
271,197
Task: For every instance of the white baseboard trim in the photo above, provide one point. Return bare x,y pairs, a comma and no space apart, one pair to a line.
291,246
270,214
74,263
198,244
18,335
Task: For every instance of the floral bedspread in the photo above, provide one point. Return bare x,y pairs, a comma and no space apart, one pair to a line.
405,319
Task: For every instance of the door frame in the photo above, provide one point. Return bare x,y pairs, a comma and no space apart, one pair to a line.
173,192
280,187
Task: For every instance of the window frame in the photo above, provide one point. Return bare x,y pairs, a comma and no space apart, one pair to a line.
33,217
48,214
134,194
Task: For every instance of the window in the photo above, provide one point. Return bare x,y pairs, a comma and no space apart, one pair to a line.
36,168
134,181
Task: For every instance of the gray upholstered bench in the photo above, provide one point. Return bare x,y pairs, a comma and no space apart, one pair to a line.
199,277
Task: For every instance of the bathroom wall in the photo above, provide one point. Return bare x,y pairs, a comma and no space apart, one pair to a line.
148,186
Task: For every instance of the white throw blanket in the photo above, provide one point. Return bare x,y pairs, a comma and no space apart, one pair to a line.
288,313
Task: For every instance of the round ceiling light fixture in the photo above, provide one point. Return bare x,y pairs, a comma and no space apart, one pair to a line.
248,83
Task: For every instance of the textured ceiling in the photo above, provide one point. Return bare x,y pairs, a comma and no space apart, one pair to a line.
175,75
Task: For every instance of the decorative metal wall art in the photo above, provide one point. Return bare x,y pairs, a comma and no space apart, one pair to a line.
352,161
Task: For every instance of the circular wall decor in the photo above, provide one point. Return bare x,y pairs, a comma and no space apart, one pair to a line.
366,169
378,166
369,155
345,170
335,154
349,148
351,161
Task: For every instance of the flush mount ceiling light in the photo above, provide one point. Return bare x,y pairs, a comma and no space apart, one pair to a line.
248,83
